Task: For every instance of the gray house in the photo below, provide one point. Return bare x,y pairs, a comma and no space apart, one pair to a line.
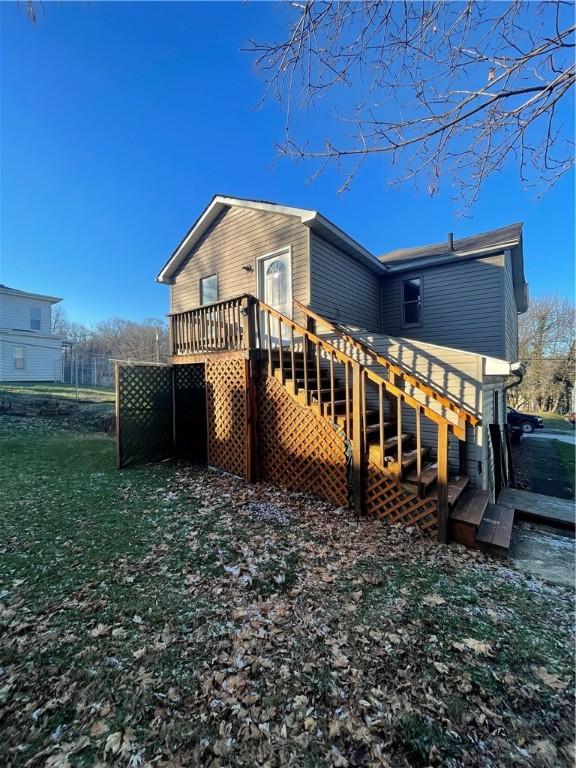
430,333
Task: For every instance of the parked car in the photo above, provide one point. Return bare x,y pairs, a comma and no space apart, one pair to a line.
524,421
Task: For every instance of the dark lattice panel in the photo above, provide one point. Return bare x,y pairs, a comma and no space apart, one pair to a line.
190,412
226,389
144,414
297,449
387,499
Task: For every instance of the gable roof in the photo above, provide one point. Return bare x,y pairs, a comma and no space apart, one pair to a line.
475,245
27,295
308,217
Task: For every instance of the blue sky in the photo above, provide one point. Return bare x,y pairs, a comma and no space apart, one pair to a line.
121,120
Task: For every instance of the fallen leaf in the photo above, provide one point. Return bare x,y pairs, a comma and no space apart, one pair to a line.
478,646
549,679
434,599
99,630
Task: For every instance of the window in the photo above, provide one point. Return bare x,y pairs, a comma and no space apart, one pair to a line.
412,301
209,289
276,283
19,358
35,318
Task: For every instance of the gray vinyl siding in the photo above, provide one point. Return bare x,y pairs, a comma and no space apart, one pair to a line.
462,306
342,288
236,239
510,311
454,373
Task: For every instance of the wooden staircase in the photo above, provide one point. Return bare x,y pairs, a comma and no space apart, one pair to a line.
472,520
379,408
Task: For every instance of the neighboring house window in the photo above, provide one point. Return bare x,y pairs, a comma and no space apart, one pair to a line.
412,301
19,358
35,318
209,289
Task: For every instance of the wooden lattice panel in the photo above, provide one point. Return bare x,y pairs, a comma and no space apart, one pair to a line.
226,396
297,449
387,499
144,412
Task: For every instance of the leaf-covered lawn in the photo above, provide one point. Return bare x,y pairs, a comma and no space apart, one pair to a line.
176,617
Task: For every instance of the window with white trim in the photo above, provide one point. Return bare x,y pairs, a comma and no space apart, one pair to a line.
411,301
209,289
35,318
19,358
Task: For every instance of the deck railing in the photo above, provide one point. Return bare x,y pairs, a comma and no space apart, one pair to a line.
224,325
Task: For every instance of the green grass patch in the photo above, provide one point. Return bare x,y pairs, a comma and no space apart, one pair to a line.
58,390
567,455
556,421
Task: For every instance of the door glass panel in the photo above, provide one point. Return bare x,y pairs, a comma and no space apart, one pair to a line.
276,284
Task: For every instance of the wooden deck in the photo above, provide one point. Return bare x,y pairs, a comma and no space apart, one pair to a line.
535,506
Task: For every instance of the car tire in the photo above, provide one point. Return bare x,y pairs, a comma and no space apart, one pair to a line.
527,427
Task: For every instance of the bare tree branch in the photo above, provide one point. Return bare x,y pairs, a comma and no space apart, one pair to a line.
447,90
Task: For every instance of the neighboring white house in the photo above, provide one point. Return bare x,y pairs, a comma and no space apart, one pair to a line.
28,349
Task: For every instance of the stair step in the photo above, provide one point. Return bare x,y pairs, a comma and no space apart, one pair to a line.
392,442
470,508
372,416
456,486
408,459
427,477
495,530
370,428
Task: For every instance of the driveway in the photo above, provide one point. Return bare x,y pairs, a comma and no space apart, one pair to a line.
546,552
563,437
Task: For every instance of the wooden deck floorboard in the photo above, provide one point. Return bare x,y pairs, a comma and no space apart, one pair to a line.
536,506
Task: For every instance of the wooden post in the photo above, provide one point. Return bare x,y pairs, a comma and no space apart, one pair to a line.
357,437
310,326
117,413
171,336
463,452
442,483
248,323
250,368
419,453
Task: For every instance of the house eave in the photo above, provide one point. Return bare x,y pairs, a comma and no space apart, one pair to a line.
310,218
27,295
431,261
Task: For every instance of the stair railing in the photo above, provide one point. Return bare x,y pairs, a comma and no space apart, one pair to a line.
273,328
393,369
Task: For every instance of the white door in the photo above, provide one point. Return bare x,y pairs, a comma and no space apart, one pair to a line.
275,289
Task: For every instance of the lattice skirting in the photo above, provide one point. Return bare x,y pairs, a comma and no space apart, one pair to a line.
297,449
385,498
226,387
